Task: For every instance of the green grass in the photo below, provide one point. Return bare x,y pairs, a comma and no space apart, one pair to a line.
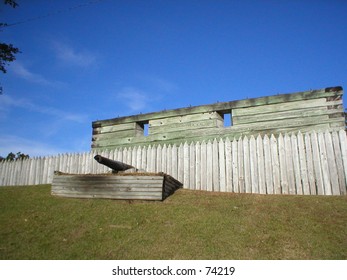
187,225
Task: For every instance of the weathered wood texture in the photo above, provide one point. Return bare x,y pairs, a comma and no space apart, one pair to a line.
303,163
317,110
128,186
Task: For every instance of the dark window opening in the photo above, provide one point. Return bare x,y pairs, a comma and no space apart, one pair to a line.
227,118
145,127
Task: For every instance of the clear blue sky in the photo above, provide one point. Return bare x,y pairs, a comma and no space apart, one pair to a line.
90,60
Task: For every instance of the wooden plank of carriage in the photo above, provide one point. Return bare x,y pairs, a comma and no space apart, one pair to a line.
130,186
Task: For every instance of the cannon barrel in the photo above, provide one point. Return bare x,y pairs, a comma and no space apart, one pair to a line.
113,164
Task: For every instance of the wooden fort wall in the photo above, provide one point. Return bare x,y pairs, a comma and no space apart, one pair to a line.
314,110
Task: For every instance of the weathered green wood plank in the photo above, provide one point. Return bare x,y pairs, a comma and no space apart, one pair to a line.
117,128
286,115
289,106
185,119
118,135
187,126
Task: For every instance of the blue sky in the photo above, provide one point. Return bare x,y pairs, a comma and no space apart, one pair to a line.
83,60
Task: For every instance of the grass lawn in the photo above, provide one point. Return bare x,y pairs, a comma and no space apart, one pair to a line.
187,225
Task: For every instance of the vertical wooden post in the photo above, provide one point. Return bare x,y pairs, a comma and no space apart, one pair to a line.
192,166
339,162
247,167
303,164
296,165
186,166
269,166
198,185
261,165
215,166
253,165
228,166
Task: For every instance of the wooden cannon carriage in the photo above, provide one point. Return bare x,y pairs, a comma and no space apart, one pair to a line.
116,185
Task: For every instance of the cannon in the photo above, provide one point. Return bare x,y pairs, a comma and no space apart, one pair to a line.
113,164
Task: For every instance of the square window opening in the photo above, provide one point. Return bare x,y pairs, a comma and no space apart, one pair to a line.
227,118
144,125
145,129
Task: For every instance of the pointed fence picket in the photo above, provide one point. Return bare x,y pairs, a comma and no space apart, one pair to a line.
302,164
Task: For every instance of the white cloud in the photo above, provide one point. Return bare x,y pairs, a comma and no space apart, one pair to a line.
133,98
71,56
7,102
21,71
50,123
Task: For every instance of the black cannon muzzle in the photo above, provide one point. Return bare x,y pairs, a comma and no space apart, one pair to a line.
113,164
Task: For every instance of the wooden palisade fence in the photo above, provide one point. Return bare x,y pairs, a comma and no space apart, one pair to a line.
311,163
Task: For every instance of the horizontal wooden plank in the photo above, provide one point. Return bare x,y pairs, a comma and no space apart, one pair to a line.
119,134
285,115
107,182
185,119
186,126
96,183
117,128
126,196
122,176
283,107
101,186
107,192
99,189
